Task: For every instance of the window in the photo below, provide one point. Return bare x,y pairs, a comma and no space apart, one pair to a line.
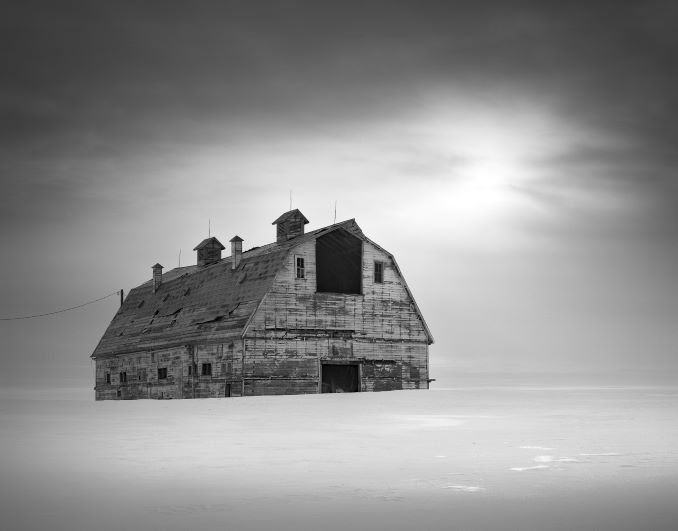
162,373
207,369
379,272
301,272
108,377
123,377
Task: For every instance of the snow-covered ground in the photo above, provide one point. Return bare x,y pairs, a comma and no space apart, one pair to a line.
466,458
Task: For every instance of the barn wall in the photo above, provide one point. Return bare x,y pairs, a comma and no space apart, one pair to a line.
292,365
296,329
384,311
142,373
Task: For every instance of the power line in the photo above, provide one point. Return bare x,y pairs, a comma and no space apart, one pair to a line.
60,311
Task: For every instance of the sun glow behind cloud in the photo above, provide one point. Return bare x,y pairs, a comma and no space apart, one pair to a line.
484,191
488,158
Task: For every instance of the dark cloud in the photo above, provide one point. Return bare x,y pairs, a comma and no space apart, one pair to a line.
103,80
106,62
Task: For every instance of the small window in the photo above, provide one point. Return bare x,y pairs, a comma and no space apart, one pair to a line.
301,270
123,377
162,373
207,369
379,272
108,377
190,370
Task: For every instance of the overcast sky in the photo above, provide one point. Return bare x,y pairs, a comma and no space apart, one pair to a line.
517,158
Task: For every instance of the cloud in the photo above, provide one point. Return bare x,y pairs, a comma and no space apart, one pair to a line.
495,141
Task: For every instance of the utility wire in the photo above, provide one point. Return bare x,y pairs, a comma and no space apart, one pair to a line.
60,311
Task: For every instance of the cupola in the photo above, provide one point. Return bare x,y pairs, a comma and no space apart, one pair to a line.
290,225
157,276
236,251
209,251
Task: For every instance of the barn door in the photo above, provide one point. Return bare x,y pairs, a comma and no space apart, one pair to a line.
340,378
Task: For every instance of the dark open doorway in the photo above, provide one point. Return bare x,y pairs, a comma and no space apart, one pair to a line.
340,378
338,262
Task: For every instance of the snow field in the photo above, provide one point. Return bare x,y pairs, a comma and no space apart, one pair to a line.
498,458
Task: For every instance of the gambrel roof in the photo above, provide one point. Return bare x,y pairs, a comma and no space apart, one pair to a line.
201,303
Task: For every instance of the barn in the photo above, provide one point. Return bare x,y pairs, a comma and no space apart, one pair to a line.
325,311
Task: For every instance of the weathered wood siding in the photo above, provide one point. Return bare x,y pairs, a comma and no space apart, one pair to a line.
296,329
181,382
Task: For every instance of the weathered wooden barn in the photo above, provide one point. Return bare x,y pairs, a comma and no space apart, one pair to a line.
324,311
